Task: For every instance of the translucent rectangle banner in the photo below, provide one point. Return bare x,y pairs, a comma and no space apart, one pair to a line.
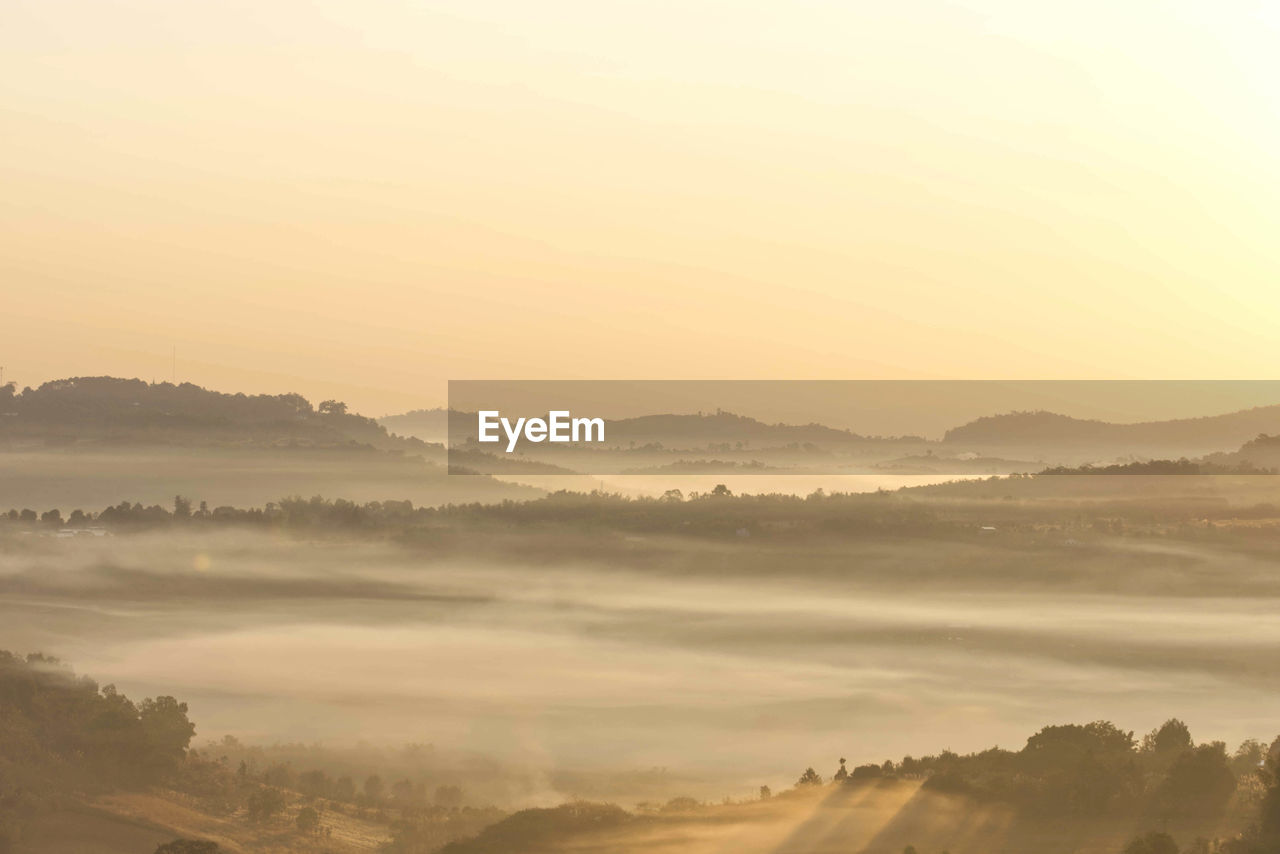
856,427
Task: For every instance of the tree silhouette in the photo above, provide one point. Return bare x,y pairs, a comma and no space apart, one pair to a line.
308,820
1152,843
373,787
809,778
188,846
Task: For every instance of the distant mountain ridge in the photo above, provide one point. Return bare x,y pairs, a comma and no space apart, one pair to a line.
722,426
1042,431
1207,433
110,409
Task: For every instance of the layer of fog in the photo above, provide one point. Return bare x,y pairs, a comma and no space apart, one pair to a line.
739,678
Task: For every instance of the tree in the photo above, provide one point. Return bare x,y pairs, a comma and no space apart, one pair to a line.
167,732
52,517
181,507
308,820
1170,738
1269,810
681,804
841,773
332,407
448,796
809,778
279,774
189,846
865,772
264,803
315,783
1199,783
765,793
721,490
373,787
1249,757
1152,843
1085,769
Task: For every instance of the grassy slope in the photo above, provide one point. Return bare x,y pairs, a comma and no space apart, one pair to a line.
136,822
872,818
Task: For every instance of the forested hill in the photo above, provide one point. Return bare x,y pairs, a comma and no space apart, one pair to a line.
1071,788
111,409
720,427
62,735
1210,433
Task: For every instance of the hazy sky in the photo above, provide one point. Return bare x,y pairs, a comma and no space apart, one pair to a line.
364,199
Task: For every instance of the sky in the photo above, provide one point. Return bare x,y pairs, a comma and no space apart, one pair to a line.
365,200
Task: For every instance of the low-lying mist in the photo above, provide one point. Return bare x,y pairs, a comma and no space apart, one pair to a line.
728,676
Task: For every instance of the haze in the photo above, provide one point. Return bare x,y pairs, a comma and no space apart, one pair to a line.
362,200
719,665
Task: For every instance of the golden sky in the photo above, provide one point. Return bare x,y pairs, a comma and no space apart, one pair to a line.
364,199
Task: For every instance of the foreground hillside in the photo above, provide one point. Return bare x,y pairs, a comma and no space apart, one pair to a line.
1071,788
87,771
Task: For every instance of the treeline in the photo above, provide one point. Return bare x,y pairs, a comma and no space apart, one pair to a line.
306,800
1089,775
1181,466
409,779
718,513
61,733
1097,771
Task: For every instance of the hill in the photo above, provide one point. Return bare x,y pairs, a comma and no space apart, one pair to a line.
1071,788
722,427
1178,437
84,770
90,441
1262,451
131,411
